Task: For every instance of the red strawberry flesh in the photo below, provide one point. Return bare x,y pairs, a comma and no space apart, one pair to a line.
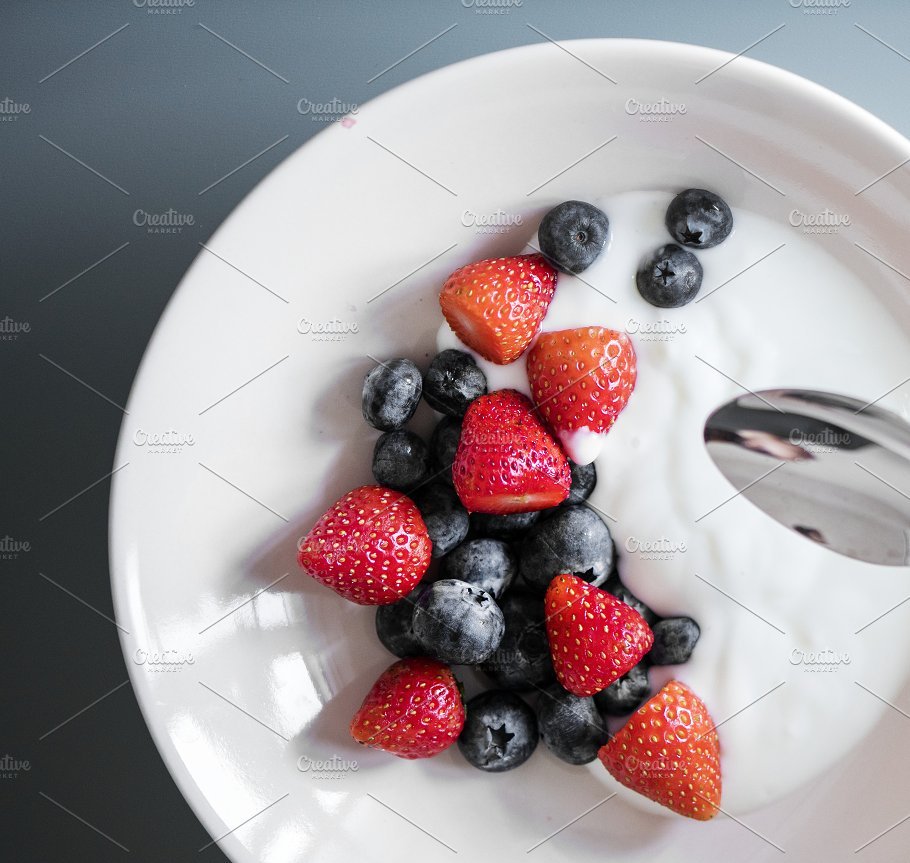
370,547
594,637
669,752
496,306
414,710
506,460
582,378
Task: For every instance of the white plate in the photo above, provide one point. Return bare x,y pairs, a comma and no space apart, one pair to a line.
360,227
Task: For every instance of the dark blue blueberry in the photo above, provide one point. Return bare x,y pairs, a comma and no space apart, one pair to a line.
507,527
394,624
457,623
522,660
446,519
674,640
391,393
401,460
489,564
572,727
500,731
584,478
443,445
625,695
623,594
573,539
669,277
699,218
573,234
452,382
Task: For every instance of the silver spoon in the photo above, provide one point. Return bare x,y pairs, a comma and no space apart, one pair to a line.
829,467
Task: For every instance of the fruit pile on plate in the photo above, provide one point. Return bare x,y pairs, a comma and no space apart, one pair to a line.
479,549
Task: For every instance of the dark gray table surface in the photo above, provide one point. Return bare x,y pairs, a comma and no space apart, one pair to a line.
115,108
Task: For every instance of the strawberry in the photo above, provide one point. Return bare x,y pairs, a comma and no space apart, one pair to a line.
414,710
506,460
581,378
496,306
668,751
594,638
371,547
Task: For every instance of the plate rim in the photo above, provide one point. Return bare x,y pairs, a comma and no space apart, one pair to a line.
670,51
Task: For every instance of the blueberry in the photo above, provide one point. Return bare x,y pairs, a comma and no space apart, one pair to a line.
522,660
669,277
507,527
674,640
488,564
500,731
699,218
443,445
401,460
394,624
391,393
458,623
452,382
625,695
623,594
573,539
572,727
573,234
584,478
446,519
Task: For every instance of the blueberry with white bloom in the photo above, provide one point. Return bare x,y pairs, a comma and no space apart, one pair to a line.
452,382
487,563
573,234
573,539
669,277
500,731
458,623
401,460
699,219
391,393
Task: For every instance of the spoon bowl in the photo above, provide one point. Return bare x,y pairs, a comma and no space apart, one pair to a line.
832,468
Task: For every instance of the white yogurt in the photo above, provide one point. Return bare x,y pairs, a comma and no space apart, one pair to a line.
797,319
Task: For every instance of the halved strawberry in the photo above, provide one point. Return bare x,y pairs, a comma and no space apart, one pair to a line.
414,710
581,379
371,547
668,751
594,638
496,306
506,460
